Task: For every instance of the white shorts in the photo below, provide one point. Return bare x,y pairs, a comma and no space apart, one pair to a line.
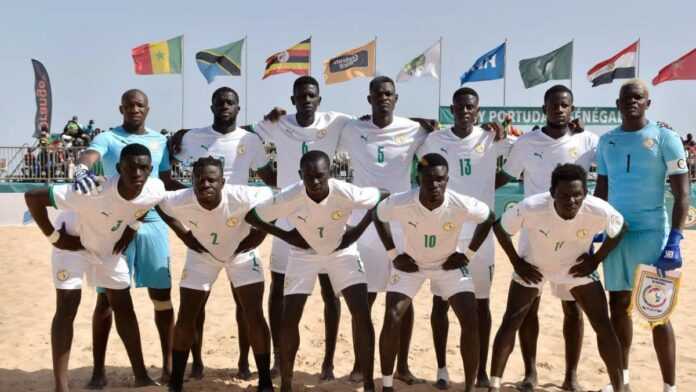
344,268
69,268
482,266
560,285
442,283
201,271
280,250
374,256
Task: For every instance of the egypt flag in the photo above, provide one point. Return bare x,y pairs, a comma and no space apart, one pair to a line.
163,57
620,66
295,59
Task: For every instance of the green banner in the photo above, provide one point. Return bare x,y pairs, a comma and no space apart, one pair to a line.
531,115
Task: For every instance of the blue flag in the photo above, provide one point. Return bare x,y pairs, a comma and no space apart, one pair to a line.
490,66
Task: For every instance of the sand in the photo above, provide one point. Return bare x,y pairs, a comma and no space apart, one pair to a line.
28,303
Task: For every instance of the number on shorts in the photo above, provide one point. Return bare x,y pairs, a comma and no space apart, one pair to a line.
429,241
215,238
464,167
380,154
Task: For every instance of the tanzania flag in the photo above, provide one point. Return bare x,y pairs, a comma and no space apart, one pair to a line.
162,57
295,59
353,63
225,60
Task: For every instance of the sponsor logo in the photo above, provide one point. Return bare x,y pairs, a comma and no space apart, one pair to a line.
232,222
443,150
415,225
538,155
364,138
303,219
342,63
545,233
195,224
106,214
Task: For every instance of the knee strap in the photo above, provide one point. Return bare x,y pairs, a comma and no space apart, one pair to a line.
162,305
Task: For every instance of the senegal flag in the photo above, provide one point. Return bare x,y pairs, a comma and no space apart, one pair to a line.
163,57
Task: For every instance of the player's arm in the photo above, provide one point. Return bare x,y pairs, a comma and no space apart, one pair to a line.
268,174
588,263
602,188
353,233
401,261
461,259
128,235
680,186
292,237
502,178
251,241
184,234
170,183
528,272
37,201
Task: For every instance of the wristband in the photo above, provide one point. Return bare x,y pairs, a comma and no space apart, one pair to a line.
54,237
135,225
470,254
392,253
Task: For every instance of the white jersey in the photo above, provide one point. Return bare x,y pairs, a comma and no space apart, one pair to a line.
293,140
555,243
382,156
537,154
239,151
431,236
221,229
321,224
102,218
472,162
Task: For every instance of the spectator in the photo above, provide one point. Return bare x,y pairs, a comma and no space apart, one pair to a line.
72,128
89,129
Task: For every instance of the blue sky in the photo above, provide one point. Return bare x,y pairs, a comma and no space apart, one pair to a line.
85,45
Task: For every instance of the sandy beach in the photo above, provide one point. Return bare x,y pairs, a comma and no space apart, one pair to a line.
28,303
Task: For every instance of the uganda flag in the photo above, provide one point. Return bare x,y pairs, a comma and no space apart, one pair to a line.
163,57
225,60
295,59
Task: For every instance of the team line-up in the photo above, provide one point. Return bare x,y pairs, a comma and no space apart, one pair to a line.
376,234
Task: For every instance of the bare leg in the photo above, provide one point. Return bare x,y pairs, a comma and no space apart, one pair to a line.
403,372
439,324
356,374
357,300
243,371
293,305
619,301
529,335
101,326
275,315
332,317
665,347
484,330
259,335
67,302
396,307
573,331
192,303
197,367
464,306
164,320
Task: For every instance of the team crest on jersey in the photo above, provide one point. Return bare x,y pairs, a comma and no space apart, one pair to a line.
691,217
232,222
140,213
582,233
321,133
449,226
573,152
479,148
394,279
401,139
241,149
338,214
62,275
614,220
649,143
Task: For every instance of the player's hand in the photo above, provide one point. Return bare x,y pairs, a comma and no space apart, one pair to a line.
585,265
499,130
192,243
275,114
295,239
67,241
125,239
454,261
85,180
174,142
405,263
576,126
663,124
251,241
351,235
428,125
671,255
529,273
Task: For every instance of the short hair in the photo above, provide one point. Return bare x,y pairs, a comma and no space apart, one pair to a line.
380,80
224,89
314,156
464,91
131,92
302,80
431,160
636,83
559,88
568,172
134,150
207,161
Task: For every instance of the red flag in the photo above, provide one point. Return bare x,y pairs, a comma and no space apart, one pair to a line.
682,69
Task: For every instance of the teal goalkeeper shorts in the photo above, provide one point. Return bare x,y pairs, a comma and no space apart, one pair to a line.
635,248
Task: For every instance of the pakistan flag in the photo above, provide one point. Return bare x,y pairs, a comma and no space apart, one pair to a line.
551,66
427,63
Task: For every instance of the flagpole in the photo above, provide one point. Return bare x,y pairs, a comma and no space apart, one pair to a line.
638,60
439,83
246,79
572,49
183,95
505,72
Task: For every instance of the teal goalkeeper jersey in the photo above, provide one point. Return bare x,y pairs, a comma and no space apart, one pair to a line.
636,165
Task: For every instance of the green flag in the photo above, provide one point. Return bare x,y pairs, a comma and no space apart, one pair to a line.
551,66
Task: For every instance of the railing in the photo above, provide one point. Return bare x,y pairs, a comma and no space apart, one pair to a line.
57,164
